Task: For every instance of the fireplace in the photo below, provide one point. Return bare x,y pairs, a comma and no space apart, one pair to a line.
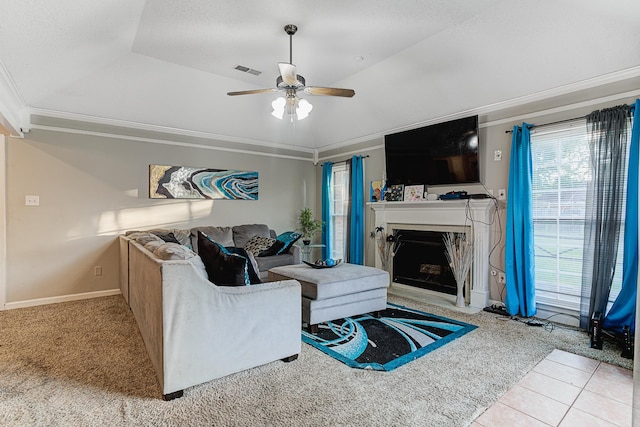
440,216
420,259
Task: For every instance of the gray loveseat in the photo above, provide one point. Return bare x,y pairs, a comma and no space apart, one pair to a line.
196,331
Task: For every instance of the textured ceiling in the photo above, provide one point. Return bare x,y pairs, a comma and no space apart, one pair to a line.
169,63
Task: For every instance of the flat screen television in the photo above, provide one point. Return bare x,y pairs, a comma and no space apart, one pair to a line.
441,154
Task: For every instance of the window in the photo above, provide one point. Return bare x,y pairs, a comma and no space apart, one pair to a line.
561,173
339,210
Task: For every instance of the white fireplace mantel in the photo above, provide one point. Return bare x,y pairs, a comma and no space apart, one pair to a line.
473,213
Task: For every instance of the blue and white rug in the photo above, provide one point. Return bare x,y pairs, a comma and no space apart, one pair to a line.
383,343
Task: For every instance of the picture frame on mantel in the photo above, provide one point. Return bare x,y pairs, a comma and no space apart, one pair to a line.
394,193
377,190
413,193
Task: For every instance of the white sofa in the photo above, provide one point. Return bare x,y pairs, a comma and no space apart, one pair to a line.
196,331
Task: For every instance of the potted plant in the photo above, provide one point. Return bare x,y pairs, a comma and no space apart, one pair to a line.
309,226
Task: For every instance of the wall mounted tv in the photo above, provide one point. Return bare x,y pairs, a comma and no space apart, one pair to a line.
441,154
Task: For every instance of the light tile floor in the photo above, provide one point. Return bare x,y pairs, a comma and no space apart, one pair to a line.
565,390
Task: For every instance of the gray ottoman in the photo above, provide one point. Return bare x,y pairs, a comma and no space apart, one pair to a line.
333,293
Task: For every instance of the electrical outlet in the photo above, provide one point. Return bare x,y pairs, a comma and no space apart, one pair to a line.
502,278
502,194
497,155
32,200
98,270
494,272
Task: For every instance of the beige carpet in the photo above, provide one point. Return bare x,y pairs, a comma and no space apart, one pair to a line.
84,363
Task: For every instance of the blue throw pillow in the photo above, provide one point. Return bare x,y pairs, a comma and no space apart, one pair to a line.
288,238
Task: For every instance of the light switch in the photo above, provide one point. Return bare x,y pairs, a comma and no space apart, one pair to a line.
32,200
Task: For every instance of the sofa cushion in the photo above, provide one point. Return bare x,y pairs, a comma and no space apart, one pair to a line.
242,233
222,269
152,245
222,235
268,262
144,237
288,238
169,237
169,251
182,236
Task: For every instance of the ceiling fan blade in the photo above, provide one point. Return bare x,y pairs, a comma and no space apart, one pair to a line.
288,73
329,91
251,92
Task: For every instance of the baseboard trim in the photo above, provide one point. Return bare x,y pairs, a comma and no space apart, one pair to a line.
58,299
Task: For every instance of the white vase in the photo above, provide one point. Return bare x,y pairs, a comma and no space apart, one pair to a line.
460,295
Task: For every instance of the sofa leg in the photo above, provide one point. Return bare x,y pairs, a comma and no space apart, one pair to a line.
290,358
313,329
174,395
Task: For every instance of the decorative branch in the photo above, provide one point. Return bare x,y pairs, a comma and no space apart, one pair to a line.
387,246
459,253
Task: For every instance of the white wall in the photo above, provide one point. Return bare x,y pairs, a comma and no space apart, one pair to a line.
93,188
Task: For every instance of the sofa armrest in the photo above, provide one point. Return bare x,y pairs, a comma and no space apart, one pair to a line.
297,254
211,331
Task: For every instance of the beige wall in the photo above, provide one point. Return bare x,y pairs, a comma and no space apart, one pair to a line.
93,188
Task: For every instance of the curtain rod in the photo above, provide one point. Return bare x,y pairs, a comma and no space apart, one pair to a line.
344,161
632,107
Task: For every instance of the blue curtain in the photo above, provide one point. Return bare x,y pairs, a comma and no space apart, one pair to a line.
327,174
356,223
623,311
519,257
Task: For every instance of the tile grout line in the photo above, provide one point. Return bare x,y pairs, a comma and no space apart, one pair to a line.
570,406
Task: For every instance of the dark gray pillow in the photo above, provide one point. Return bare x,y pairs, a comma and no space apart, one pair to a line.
222,269
222,235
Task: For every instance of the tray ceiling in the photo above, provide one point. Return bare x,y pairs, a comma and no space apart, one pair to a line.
169,64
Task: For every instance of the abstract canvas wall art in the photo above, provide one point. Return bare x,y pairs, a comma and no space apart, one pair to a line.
180,182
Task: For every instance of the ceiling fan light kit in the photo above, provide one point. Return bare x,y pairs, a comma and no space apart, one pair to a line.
291,83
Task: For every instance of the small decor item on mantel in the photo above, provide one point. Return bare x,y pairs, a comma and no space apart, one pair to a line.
309,226
377,190
413,193
459,253
394,193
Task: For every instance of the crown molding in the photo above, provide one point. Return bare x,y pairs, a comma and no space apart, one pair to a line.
14,115
63,115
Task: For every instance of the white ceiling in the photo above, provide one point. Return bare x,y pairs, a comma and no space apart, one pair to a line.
170,63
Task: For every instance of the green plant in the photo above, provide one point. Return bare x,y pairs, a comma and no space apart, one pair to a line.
309,226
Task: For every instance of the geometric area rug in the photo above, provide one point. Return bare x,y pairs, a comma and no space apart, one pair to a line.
398,336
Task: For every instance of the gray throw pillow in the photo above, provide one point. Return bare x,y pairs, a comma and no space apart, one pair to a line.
258,244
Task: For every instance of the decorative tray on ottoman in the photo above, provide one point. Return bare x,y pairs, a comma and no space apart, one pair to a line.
324,263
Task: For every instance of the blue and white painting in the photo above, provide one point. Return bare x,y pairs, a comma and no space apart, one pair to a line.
180,182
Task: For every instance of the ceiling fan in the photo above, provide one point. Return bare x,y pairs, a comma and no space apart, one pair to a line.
290,82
